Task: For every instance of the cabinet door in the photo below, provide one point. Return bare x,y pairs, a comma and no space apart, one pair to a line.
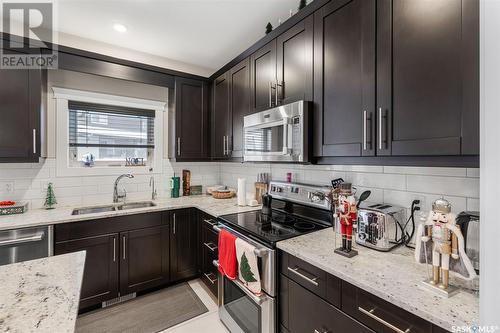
209,253
221,117
144,259
344,74
20,108
191,116
310,313
263,77
100,276
183,245
427,77
294,50
239,94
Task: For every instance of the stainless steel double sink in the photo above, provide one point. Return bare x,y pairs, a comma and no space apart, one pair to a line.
112,208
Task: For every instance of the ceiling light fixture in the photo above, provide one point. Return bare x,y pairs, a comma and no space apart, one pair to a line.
119,27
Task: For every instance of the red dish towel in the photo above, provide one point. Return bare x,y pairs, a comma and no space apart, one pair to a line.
228,264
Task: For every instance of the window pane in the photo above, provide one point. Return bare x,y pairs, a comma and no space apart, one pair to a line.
108,134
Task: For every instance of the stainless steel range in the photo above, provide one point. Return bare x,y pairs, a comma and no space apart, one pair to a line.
296,209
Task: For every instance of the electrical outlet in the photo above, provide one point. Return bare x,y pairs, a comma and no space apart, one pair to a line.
8,187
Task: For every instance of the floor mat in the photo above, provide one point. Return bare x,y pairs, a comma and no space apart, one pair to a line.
150,313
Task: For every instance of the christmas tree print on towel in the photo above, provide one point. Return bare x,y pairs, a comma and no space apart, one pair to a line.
245,270
248,270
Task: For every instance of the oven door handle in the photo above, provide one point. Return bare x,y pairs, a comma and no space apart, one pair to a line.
259,251
259,300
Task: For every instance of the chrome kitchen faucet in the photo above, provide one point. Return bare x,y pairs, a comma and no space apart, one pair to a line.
117,196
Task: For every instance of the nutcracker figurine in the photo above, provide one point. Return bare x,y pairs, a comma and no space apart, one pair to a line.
347,214
440,241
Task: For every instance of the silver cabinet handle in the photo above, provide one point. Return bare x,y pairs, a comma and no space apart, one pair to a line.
124,248
380,128
279,86
210,246
316,331
212,281
174,223
225,145
364,130
15,241
270,94
299,274
210,221
380,320
34,140
114,249
178,146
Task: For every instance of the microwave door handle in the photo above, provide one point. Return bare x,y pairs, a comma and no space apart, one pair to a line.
286,148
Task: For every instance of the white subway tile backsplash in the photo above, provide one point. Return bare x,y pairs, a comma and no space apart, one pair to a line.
377,180
473,204
473,172
359,168
430,171
466,187
389,184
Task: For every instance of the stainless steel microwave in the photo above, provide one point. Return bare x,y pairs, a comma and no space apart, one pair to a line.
280,134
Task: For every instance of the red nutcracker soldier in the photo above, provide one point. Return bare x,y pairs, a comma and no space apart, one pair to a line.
347,214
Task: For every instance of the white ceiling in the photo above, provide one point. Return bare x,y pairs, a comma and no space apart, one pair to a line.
203,33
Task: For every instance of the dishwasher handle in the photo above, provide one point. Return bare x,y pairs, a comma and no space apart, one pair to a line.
15,241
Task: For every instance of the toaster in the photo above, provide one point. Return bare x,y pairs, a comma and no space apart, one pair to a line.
469,225
377,226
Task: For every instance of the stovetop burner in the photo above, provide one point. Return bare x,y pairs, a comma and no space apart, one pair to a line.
304,226
271,228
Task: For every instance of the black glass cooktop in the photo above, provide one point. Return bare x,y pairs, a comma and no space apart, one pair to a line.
270,229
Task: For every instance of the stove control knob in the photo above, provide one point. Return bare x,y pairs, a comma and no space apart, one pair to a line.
316,197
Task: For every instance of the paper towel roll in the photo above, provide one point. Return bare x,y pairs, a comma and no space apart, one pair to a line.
242,192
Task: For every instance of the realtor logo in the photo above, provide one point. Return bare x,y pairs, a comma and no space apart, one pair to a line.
28,40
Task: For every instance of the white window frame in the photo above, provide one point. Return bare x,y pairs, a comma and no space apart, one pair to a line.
63,168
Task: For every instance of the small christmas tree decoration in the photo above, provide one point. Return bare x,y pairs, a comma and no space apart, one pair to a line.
246,272
302,4
50,199
269,27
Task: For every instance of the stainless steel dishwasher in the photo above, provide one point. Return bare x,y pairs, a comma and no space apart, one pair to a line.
25,244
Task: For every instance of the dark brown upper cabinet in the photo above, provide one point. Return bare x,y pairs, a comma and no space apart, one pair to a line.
22,95
239,99
184,245
294,64
144,258
344,78
191,119
221,117
263,78
427,77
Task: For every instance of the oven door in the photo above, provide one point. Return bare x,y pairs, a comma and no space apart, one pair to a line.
242,311
268,141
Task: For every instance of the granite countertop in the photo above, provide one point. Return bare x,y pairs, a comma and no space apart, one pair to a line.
39,217
41,295
393,276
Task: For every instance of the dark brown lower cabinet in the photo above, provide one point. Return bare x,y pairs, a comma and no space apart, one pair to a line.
310,313
335,305
209,253
374,312
144,259
183,244
100,277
